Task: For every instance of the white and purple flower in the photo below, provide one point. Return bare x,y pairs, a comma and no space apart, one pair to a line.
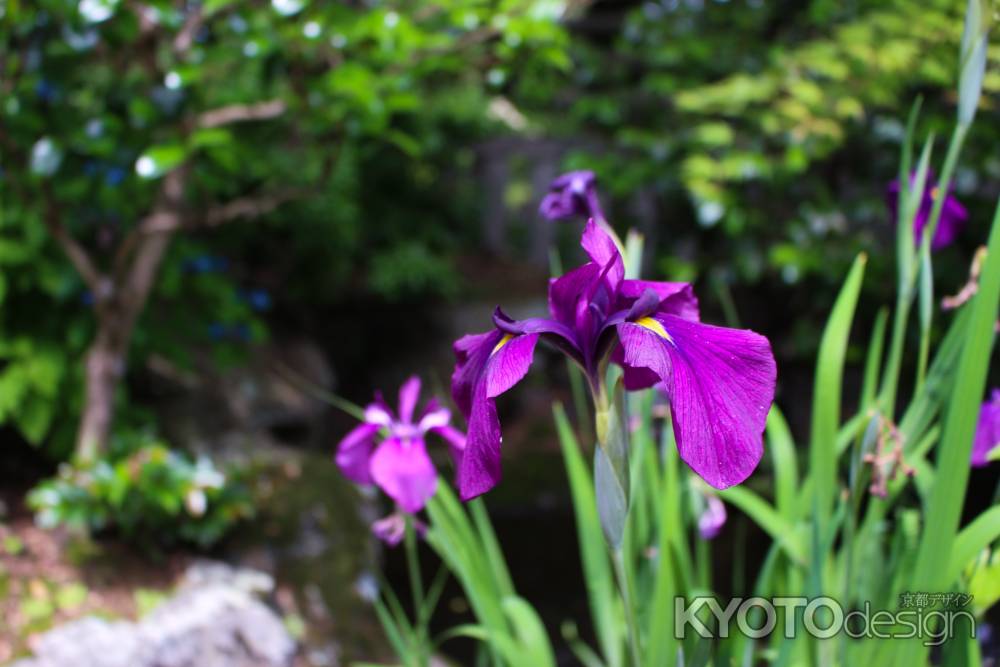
389,451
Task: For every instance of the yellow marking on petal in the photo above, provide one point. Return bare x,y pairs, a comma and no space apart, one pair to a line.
654,326
503,341
935,192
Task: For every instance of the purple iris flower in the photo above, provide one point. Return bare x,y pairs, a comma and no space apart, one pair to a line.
719,381
574,194
389,450
953,213
712,518
987,431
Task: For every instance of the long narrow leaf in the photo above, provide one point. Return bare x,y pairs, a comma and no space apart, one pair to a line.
826,396
786,473
765,516
597,572
948,495
972,539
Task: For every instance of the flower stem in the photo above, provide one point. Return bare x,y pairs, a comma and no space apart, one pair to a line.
416,586
629,605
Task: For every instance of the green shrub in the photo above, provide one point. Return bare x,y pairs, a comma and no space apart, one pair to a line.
153,497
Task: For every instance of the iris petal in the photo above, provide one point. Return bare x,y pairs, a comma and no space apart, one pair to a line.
434,418
601,249
509,364
675,298
409,394
484,371
354,451
567,290
405,472
720,383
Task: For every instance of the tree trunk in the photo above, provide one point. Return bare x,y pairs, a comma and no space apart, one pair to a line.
105,366
106,358
118,314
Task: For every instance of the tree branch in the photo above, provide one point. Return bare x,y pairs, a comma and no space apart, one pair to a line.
241,112
78,255
243,207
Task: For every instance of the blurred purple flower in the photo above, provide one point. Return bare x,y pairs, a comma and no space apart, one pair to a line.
392,529
573,194
953,213
719,381
987,431
712,518
388,450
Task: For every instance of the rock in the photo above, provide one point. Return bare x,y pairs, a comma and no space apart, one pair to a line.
89,642
213,626
204,572
213,621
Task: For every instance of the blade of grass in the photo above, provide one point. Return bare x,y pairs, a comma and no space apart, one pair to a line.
604,606
972,539
786,473
876,344
826,400
905,257
491,546
948,494
765,516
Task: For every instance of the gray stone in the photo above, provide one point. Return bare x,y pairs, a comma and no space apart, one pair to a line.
213,621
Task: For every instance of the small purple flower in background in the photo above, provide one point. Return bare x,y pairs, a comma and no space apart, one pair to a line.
712,518
719,381
388,450
953,213
392,529
574,194
987,431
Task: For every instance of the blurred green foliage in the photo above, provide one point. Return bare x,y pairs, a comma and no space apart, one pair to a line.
768,131
154,497
354,117
764,131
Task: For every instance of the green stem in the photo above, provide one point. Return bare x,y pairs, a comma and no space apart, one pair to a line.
890,379
628,603
416,584
926,281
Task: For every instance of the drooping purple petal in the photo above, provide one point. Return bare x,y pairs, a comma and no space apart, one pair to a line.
471,354
409,394
355,450
712,518
405,472
488,365
480,469
509,363
720,383
987,431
